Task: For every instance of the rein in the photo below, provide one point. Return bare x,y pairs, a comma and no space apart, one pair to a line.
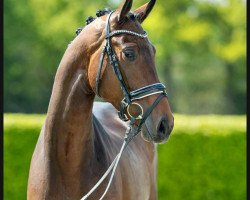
128,100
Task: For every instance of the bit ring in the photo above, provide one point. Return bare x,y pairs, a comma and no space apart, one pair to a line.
139,106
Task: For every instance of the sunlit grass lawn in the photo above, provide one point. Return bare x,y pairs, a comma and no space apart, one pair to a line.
205,157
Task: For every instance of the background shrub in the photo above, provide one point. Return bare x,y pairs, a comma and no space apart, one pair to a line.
205,157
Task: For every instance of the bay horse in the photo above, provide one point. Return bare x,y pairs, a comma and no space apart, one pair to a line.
113,58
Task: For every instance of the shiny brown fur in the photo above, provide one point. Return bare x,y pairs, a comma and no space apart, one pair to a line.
73,150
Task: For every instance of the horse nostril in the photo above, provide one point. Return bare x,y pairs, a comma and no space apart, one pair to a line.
162,127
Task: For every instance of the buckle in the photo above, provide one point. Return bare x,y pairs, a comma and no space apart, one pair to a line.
121,112
122,116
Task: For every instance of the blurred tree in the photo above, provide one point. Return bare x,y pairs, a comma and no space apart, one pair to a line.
202,46
36,34
201,50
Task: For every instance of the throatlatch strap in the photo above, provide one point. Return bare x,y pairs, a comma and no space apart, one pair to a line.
100,70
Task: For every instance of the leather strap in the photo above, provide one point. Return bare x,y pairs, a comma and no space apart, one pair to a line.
100,70
129,97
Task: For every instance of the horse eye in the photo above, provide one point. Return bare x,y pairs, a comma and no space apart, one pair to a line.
129,54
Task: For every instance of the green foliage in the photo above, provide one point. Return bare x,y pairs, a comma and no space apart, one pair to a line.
201,51
203,167
203,54
205,157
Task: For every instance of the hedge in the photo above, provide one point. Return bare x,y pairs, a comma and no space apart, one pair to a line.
205,157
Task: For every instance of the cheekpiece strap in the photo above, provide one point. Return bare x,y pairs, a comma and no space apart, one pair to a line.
114,62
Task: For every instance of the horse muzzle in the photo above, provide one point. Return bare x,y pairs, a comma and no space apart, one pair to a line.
159,132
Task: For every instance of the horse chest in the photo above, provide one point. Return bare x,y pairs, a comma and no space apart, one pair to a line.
134,178
136,173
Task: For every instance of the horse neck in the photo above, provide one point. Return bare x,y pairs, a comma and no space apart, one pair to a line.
68,129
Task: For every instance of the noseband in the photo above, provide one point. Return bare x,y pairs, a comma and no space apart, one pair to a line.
129,97
128,100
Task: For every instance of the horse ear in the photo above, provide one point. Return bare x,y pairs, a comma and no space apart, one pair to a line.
123,10
143,11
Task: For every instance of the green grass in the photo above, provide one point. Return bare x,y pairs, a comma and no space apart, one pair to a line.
205,157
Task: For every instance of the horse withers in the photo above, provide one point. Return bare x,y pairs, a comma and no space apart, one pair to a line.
113,58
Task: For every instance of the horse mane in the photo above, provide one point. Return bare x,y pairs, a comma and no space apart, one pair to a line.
100,13
90,19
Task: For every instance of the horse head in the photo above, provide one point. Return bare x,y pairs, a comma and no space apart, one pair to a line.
122,71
